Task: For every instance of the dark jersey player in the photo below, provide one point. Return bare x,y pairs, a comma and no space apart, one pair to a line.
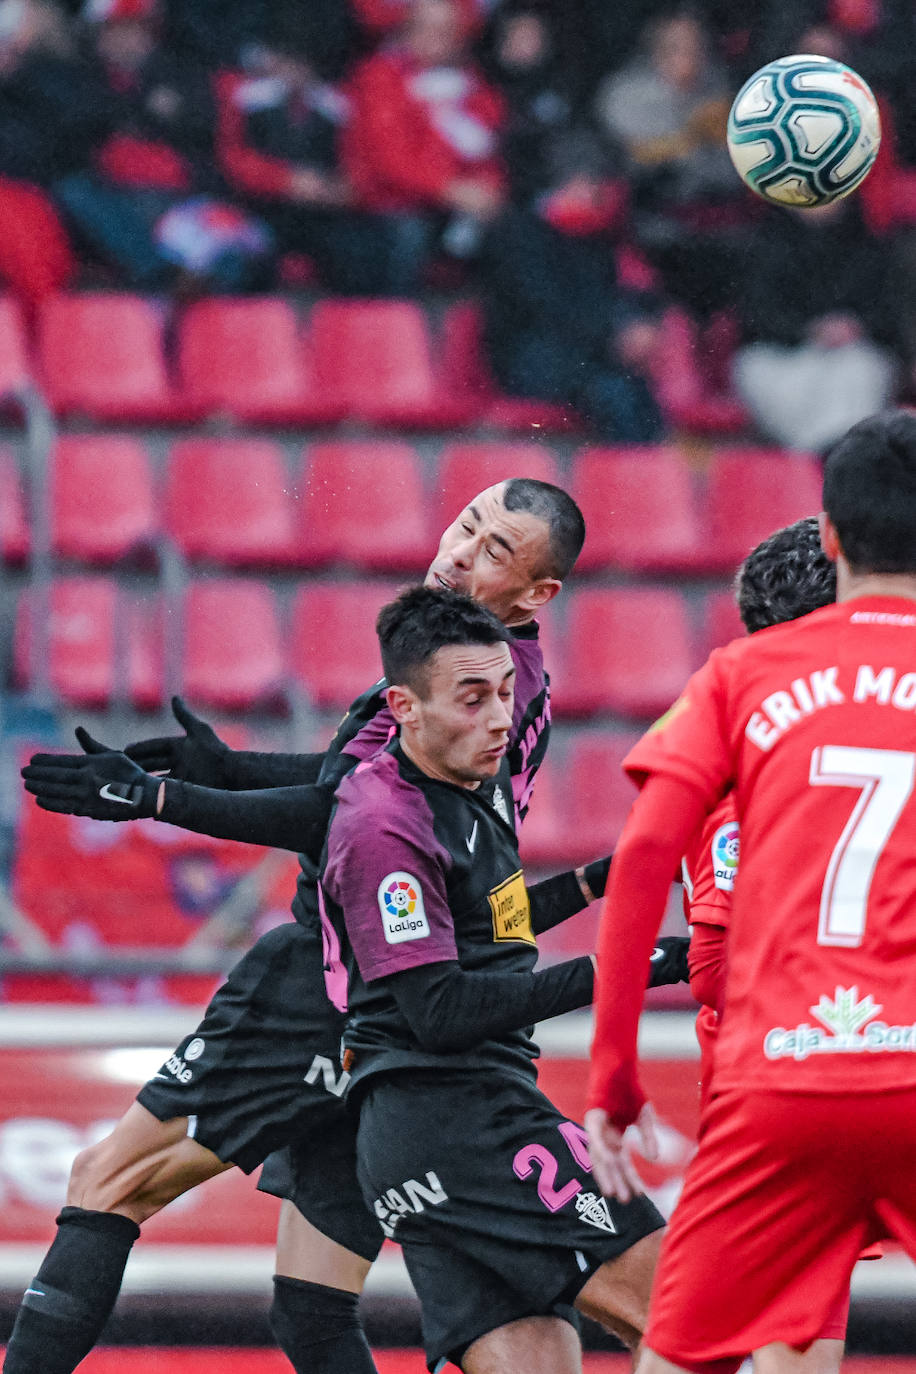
267,1073
484,1183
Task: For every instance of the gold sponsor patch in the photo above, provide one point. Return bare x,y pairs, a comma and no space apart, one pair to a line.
511,910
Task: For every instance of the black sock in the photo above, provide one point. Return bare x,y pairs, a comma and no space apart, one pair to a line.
69,1301
318,1328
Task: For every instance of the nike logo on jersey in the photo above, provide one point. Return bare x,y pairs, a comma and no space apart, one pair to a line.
110,795
471,840
36,1293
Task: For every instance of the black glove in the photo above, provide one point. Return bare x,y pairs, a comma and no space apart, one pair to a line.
668,963
102,783
199,755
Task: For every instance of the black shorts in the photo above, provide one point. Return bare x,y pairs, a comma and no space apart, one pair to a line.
317,1173
488,1189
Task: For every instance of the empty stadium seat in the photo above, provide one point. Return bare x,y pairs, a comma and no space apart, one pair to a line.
626,650
721,621
232,645
244,359
690,399
334,650
466,373
15,538
639,509
229,500
15,372
582,819
103,507
364,504
752,492
100,648
375,359
467,468
102,356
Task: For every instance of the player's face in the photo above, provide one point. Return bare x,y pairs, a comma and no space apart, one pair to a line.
494,555
459,730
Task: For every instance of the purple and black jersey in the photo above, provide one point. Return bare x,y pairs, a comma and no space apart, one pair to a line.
420,872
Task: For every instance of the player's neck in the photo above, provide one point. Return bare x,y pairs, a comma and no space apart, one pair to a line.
853,585
429,766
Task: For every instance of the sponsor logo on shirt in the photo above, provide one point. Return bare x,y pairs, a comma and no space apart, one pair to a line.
177,1067
400,901
848,1026
511,910
726,845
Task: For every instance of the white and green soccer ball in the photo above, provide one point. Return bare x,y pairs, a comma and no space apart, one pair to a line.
804,131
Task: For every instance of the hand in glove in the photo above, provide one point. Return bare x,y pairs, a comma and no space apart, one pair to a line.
668,963
199,755
102,783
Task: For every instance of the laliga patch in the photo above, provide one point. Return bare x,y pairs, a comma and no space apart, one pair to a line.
726,846
511,910
400,901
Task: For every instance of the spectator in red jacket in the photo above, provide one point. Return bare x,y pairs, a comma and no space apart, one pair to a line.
382,18
278,135
422,145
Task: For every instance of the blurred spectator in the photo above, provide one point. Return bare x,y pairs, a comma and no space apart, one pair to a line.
422,145
221,34
558,325
279,129
50,119
521,60
150,204
818,315
667,110
382,18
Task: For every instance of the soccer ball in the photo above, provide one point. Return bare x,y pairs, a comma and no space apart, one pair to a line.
804,131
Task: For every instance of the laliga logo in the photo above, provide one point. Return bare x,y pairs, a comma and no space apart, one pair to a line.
726,849
400,899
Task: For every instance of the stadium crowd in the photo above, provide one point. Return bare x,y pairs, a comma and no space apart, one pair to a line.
565,162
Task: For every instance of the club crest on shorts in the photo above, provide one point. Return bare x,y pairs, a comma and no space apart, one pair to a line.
726,847
400,901
594,1209
195,1049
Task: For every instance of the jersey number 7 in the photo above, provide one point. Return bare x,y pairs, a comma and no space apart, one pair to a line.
885,780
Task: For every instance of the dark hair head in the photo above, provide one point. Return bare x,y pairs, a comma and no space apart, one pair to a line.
422,620
561,515
870,492
786,576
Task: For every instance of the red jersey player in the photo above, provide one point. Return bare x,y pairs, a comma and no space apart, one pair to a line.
808,1138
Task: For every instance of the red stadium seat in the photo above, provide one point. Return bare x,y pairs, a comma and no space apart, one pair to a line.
232,646
229,500
467,374
15,538
103,508
15,372
334,650
364,504
752,492
99,649
102,356
686,396
721,621
244,359
639,508
543,838
626,650
466,469
375,358
581,820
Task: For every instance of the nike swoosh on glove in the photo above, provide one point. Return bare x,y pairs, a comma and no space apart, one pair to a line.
104,784
668,963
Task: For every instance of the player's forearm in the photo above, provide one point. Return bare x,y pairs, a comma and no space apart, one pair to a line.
248,770
293,818
450,1009
556,899
662,821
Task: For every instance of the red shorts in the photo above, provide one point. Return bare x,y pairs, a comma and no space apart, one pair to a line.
783,1193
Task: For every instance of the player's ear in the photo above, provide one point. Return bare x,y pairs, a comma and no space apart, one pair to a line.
830,540
538,594
402,703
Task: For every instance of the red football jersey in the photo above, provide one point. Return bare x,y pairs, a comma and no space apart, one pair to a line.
708,873
813,725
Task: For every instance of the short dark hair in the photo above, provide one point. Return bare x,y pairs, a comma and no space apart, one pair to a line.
785,576
563,518
423,620
870,492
